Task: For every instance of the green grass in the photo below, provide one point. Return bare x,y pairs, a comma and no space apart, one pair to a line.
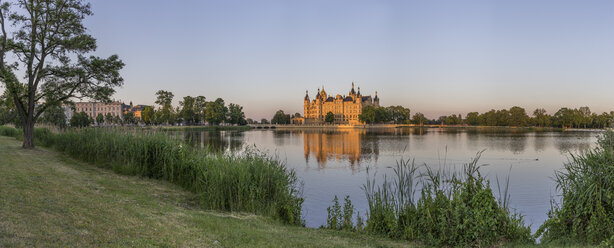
48,199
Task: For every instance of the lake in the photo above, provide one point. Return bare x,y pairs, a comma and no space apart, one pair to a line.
333,163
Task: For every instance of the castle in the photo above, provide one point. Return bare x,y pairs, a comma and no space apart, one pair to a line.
345,108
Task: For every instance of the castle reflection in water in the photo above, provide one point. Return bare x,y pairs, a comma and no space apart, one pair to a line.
350,145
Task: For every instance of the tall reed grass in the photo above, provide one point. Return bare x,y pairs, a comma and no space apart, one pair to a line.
250,182
454,209
585,214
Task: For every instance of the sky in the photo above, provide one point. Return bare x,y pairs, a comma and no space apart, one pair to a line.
434,57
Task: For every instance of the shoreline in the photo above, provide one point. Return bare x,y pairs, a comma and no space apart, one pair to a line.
391,126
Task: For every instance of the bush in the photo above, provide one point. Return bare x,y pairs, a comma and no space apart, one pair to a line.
454,209
586,211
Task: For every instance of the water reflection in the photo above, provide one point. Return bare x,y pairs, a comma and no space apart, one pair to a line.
350,145
215,140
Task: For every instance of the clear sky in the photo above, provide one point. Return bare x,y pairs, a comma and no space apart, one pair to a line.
435,57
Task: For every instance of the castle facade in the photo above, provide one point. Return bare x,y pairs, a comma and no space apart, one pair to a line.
345,108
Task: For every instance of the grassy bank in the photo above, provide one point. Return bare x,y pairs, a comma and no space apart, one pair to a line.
48,199
251,182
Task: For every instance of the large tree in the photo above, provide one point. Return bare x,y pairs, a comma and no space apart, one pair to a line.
236,115
165,99
280,118
419,119
187,112
215,112
200,104
46,39
147,115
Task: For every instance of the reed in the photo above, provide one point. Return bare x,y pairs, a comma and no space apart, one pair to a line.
8,131
453,209
249,181
585,214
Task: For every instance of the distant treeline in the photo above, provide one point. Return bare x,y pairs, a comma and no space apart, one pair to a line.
515,116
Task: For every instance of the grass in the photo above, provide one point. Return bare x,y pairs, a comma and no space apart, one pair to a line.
49,199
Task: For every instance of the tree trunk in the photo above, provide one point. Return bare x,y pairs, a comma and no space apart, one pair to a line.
28,136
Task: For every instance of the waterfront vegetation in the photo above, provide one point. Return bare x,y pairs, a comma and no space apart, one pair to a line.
51,200
419,204
454,209
251,182
585,214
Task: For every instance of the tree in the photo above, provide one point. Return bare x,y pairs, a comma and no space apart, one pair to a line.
280,118
563,118
236,115
215,112
187,110
250,121
518,117
8,112
382,115
99,118
367,115
200,104
147,115
330,117
50,47
541,118
264,121
452,120
399,114
585,115
129,118
419,119
54,116
489,118
472,118
80,119
108,119
164,99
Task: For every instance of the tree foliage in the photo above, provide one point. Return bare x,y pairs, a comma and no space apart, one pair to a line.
49,44
330,117
215,112
236,115
80,119
280,118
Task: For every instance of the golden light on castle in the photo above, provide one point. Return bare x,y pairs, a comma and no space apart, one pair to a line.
345,108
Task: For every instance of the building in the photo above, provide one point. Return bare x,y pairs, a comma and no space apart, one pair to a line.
137,110
345,108
92,109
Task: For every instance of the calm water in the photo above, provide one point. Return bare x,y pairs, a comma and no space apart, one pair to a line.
335,163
